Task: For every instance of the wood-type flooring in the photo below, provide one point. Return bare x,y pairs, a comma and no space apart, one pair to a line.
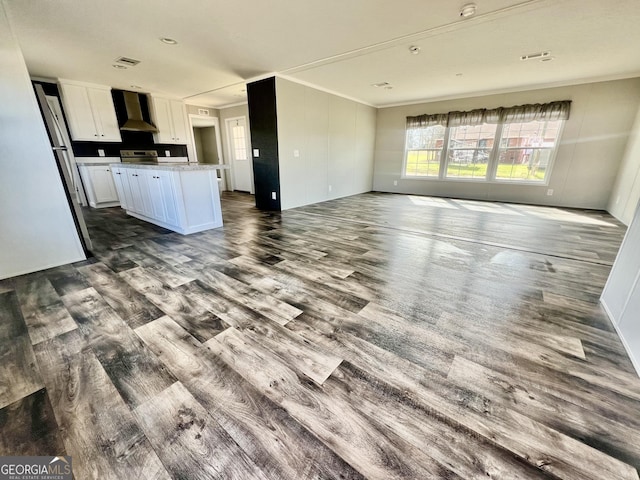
377,336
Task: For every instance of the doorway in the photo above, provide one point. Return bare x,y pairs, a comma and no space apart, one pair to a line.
241,163
206,142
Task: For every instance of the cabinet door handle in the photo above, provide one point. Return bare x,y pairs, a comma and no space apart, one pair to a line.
102,135
117,173
108,170
95,134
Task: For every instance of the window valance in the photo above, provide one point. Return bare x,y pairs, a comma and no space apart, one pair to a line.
519,113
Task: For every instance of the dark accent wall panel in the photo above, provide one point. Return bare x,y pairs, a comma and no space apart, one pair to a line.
264,138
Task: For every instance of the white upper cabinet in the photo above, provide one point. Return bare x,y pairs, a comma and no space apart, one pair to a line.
90,112
170,117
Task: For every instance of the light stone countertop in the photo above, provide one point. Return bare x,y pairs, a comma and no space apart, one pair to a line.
97,160
173,166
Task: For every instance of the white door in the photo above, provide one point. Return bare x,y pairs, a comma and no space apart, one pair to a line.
241,163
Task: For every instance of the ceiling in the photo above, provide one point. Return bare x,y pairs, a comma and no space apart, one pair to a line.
337,45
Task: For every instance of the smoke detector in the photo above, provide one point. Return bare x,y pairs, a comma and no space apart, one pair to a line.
468,10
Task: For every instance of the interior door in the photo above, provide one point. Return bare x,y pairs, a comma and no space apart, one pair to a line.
241,164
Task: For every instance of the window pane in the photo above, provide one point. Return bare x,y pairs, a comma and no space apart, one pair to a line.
424,151
468,163
530,134
423,163
524,164
526,150
469,150
425,138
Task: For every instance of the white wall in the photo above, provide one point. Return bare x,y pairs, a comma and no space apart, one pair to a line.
621,294
334,138
586,166
36,227
626,191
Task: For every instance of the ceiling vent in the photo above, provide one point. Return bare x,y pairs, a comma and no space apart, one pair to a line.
129,62
533,56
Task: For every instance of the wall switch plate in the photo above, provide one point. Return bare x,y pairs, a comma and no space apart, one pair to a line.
549,192
296,153
395,183
101,152
273,195
167,153
256,153
330,187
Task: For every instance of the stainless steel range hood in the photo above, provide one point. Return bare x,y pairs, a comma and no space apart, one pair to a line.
135,122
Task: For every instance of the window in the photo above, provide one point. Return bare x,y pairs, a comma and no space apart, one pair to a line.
526,150
515,144
424,151
469,150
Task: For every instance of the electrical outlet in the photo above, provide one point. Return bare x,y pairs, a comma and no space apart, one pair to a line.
296,153
256,152
273,195
618,200
549,192
101,152
395,183
167,153
330,187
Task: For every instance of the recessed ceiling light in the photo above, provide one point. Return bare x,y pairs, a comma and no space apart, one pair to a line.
119,67
468,10
381,84
168,41
414,50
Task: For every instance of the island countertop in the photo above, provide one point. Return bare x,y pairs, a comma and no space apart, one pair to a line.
173,166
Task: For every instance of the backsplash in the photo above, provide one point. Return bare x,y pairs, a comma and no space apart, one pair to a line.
130,140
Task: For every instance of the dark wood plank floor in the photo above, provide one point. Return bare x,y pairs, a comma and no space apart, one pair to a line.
377,336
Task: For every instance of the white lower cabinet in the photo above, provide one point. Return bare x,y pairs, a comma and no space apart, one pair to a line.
99,185
124,193
183,200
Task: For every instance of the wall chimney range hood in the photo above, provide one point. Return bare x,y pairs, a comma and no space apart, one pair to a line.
135,122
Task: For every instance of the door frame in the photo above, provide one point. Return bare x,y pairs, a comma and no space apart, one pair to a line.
227,122
208,121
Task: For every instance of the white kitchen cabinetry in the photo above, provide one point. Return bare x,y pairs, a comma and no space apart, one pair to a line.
170,117
124,192
90,112
99,185
140,198
184,199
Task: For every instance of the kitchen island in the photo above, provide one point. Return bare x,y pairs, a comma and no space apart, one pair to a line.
181,197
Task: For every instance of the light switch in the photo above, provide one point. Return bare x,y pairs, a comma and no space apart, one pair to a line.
167,153
296,153
273,195
256,152
101,152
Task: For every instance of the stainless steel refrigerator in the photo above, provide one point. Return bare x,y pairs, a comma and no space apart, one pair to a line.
63,155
